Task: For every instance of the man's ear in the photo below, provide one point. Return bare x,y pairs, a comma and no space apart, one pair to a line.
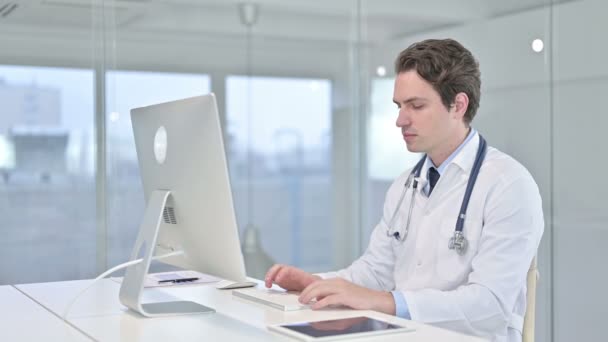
461,103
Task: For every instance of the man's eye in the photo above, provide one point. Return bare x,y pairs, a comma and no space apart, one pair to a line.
417,106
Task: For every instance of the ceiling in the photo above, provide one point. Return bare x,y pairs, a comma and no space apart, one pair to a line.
277,19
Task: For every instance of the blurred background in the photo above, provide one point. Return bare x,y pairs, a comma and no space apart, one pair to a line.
304,89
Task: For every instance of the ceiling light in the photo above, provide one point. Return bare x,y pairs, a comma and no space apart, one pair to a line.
538,45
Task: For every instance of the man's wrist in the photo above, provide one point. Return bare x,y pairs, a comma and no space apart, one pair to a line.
386,304
313,278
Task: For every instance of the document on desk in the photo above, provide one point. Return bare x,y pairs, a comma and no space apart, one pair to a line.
175,278
278,299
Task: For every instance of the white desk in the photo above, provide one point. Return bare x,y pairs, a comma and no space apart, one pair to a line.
22,319
100,314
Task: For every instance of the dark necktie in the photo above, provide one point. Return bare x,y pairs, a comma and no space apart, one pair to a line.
433,178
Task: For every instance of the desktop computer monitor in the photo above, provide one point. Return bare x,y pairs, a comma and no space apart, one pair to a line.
182,162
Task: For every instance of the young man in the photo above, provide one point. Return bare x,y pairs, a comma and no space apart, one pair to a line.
416,266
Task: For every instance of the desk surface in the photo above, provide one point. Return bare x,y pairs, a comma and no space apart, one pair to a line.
25,320
100,315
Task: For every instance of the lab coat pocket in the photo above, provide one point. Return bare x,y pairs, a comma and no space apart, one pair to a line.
453,268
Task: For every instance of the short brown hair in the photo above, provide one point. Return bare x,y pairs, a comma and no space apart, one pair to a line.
448,66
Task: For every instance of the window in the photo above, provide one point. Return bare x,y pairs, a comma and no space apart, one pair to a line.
387,155
47,184
282,184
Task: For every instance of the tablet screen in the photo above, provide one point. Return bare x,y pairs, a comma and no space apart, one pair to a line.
340,327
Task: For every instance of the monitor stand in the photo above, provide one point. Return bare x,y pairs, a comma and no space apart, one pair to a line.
132,287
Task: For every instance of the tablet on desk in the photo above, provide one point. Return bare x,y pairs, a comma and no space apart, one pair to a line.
339,329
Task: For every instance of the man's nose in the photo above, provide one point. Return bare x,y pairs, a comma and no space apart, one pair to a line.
403,119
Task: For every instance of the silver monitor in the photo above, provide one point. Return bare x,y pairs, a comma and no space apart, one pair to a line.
189,200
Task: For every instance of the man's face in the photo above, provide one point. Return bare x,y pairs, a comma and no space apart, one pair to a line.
426,124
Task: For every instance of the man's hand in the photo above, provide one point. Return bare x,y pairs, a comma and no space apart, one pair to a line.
288,277
337,291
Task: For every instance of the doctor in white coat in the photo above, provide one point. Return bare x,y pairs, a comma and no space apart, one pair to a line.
409,269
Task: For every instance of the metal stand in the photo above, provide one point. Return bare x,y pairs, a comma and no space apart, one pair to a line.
132,286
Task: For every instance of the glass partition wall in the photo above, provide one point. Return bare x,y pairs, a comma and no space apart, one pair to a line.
281,75
304,89
580,215
514,112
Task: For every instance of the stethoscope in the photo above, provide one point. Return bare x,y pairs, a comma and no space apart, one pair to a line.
457,242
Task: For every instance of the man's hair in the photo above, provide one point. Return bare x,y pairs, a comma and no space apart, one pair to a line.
448,66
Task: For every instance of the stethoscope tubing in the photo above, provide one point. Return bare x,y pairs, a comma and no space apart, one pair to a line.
412,180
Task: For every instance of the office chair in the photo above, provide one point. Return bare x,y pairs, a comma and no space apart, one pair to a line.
530,317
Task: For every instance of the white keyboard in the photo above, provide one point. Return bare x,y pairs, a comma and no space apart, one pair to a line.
278,299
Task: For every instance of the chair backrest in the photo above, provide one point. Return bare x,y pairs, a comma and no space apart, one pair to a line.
530,317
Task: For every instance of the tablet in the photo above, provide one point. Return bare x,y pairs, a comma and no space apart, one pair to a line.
338,329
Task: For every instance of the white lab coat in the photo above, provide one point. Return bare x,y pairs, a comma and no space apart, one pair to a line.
483,292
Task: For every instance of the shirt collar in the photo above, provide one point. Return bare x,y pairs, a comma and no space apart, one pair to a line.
456,157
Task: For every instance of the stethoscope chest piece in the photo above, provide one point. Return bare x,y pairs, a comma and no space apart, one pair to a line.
458,243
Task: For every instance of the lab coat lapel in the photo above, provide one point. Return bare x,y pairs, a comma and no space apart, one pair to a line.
454,180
